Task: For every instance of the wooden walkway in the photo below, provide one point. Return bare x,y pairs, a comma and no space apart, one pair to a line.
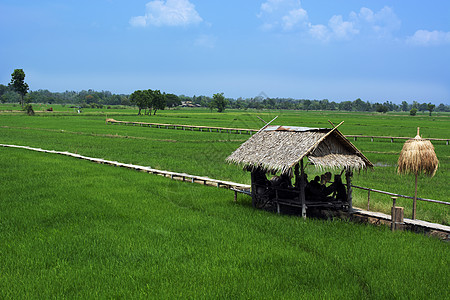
244,188
244,130
233,186
414,225
185,127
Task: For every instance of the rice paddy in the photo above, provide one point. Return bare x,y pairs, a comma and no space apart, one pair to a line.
73,229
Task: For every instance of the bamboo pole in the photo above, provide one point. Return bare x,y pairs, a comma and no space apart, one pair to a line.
393,214
302,189
414,201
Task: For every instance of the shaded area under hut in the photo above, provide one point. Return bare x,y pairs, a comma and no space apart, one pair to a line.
282,149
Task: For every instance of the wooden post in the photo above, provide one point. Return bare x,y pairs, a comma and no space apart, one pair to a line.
396,215
302,188
235,196
253,191
348,178
414,201
393,213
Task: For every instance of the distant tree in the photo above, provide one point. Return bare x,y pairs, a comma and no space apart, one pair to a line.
211,105
423,107
359,105
3,90
29,110
443,108
172,100
270,103
18,84
345,105
140,99
413,112
404,106
158,101
381,108
431,108
219,102
306,104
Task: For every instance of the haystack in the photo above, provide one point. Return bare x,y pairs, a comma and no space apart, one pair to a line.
417,157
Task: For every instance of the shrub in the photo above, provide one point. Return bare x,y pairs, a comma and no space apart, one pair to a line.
413,112
29,109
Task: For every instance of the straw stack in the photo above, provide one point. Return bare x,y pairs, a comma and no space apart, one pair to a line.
417,157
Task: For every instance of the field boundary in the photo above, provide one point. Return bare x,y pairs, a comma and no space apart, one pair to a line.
233,186
246,130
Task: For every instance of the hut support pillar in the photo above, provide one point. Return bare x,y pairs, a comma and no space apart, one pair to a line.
302,186
414,201
253,189
348,178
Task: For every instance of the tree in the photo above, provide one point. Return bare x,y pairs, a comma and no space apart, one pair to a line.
18,84
381,108
3,90
413,112
423,107
158,100
29,110
219,102
404,106
359,105
139,98
172,100
431,107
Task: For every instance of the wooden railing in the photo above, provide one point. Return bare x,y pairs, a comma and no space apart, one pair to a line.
369,190
391,138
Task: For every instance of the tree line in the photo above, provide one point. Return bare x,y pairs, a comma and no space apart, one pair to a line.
152,100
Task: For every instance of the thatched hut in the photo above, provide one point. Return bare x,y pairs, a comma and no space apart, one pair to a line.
282,149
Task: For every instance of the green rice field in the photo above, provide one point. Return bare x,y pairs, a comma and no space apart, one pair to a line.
73,229
203,153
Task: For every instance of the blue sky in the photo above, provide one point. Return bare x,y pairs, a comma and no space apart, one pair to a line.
377,50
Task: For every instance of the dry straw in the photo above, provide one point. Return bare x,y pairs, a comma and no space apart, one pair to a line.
417,157
279,150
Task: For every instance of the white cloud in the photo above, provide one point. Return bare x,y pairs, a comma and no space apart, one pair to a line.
342,29
288,15
381,24
285,14
429,38
272,5
320,32
293,18
167,13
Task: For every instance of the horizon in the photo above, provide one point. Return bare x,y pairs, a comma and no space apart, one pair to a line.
380,51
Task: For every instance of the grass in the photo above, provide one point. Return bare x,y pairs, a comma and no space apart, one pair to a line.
202,153
73,229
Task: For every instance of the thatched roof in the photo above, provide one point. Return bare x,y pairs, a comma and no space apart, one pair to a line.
279,148
418,156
